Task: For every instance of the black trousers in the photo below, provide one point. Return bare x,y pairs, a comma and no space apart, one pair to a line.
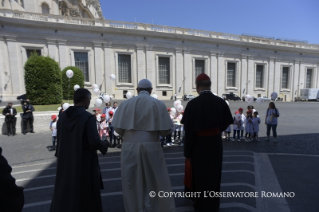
25,124
11,126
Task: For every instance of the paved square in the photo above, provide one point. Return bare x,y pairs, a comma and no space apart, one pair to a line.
287,166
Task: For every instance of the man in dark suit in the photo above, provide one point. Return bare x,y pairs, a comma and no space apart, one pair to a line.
9,112
27,116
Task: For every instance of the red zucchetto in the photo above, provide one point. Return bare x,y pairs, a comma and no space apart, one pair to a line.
202,77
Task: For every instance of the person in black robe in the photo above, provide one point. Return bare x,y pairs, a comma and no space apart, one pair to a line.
10,112
11,195
27,116
78,177
205,117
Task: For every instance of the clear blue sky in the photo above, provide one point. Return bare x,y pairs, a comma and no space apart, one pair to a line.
294,19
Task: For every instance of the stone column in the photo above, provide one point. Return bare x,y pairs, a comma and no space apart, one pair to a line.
188,74
15,75
250,75
277,77
244,75
221,74
63,54
52,49
213,71
271,75
179,73
140,56
98,63
150,71
108,58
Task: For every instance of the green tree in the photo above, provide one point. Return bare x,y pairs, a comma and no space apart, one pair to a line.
43,80
77,79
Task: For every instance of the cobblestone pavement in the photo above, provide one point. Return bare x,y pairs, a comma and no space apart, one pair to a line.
288,166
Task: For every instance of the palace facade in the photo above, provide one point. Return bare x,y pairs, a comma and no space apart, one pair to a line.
74,32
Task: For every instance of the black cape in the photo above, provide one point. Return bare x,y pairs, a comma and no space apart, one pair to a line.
205,152
11,195
78,178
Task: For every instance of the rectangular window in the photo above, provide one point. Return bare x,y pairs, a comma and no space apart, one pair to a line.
82,62
308,79
164,93
285,77
124,68
32,51
124,94
164,70
259,76
199,67
231,74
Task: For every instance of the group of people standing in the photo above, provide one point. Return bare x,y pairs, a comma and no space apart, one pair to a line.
250,124
104,123
175,138
11,120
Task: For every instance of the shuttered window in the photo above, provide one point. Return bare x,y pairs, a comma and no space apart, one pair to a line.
124,68
82,63
285,77
259,76
164,70
199,67
231,74
308,79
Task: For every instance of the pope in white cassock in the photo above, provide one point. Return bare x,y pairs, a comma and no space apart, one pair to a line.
141,120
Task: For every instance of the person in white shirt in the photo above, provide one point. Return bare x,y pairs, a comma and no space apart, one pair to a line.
256,122
271,121
242,127
114,109
53,128
107,109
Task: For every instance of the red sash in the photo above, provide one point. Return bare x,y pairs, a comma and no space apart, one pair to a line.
188,173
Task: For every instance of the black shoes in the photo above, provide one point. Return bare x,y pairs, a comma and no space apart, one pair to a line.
32,132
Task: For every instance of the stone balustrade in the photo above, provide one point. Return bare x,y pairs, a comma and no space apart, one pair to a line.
154,28
40,124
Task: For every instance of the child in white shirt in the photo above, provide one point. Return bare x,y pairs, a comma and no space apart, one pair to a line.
53,129
249,126
256,121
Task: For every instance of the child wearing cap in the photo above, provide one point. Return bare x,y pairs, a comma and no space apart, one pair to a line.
103,128
248,126
53,129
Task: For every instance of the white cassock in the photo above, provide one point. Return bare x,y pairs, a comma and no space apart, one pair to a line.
140,121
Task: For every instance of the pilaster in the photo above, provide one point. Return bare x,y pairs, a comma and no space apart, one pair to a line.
302,74
221,74
140,52
271,75
15,75
179,73
108,68
188,75
250,75
98,63
150,67
52,48
277,76
213,71
63,55
244,75
295,86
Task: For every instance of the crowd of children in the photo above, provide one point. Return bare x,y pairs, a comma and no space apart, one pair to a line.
249,122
